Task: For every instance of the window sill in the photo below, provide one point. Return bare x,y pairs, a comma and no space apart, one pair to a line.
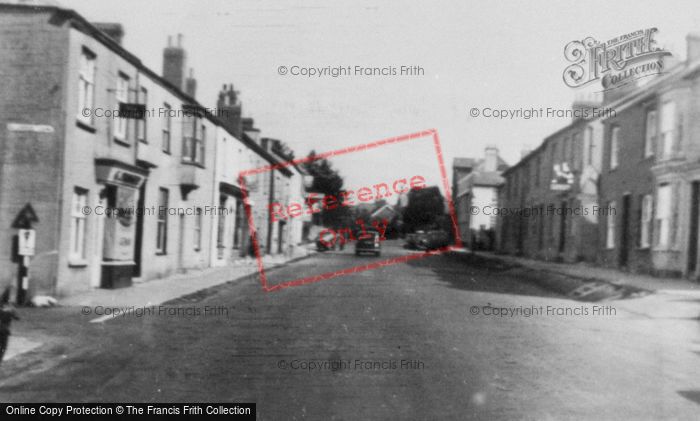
75,262
85,126
121,141
195,164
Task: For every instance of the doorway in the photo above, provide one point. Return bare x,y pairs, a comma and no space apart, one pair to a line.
624,231
694,225
562,229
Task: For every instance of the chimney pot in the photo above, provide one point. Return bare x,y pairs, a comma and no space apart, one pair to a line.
693,45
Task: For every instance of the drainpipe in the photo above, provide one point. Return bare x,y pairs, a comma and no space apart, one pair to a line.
269,214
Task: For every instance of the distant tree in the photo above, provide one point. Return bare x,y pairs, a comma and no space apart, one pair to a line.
425,209
327,181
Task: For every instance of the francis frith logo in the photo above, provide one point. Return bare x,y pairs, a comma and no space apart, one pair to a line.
616,62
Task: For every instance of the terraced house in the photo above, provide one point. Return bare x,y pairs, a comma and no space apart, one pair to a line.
623,189
651,174
552,195
66,160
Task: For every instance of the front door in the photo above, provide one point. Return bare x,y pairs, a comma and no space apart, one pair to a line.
694,225
624,231
562,229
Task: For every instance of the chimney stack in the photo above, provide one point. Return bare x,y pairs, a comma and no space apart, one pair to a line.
491,158
113,30
174,63
229,110
191,84
693,47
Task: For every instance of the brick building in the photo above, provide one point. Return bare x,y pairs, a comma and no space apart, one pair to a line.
116,199
550,197
651,174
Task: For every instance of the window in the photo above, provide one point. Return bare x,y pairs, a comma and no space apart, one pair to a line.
590,145
162,228
193,141
167,125
668,119
614,147
77,230
198,229
650,133
645,221
662,223
200,145
141,124
575,147
240,223
122,96
86,86
610,237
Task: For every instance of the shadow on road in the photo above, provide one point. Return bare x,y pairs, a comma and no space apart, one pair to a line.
474,273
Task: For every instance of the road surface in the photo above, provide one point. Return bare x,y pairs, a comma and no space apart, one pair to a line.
417,340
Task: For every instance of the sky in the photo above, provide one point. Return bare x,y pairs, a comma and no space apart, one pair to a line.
474,54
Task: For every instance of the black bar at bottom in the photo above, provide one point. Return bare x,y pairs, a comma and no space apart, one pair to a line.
236,411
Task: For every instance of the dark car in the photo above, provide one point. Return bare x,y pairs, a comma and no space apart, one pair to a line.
413,239
368,242
326,241
434,240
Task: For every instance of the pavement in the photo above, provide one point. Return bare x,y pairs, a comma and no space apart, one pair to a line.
655,297
442,337
148,293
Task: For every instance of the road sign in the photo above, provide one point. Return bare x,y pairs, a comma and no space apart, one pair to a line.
27,242
25,217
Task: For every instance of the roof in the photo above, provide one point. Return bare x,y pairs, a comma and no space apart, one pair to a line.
381,209
463,163
490,178
82,25
642,92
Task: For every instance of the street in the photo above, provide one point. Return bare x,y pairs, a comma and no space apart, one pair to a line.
400,342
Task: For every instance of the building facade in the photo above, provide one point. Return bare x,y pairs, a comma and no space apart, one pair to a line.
477,200
651,175
112,200
550,198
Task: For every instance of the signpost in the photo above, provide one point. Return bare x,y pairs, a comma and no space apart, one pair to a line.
26,245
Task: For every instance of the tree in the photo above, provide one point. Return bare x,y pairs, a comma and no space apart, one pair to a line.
327,181
424,210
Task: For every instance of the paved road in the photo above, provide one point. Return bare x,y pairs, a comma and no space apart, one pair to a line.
399,342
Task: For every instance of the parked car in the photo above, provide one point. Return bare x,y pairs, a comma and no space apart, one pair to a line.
434,239
368,242
326,241
413,239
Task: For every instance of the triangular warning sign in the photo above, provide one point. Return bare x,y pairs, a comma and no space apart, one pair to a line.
25,217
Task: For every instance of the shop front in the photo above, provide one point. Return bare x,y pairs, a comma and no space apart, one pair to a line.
119,197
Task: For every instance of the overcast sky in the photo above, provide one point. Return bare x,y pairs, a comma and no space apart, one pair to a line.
475,54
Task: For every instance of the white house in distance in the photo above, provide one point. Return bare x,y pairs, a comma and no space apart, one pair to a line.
476,196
